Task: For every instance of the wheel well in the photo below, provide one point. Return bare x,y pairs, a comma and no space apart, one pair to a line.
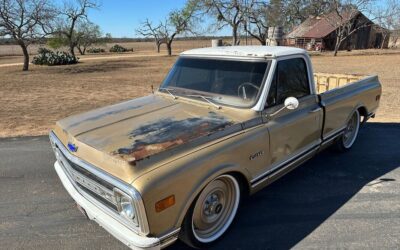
363,112
244,184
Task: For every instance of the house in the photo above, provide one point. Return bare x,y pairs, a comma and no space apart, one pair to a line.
317,33
394,41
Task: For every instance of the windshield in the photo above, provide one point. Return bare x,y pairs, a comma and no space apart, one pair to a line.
229,82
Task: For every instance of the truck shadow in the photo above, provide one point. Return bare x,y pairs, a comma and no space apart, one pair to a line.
287,211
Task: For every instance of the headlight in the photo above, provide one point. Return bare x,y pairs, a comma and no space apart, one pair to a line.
125,205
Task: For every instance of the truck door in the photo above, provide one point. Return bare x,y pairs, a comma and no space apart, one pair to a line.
293,133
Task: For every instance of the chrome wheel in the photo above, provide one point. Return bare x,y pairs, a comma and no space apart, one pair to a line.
351,131
215,208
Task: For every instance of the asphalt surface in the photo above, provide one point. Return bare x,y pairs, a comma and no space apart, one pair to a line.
346,201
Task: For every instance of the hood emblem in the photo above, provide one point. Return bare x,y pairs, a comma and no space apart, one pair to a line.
72,147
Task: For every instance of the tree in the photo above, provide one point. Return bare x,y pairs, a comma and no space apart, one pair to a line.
179,22
26,21
290,13
73,14
347,18
227,12
388,17
148,30
88,34
256,22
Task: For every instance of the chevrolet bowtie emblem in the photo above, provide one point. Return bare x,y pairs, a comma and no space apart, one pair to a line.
72,147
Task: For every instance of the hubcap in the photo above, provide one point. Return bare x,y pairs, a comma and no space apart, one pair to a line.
351,130
215,208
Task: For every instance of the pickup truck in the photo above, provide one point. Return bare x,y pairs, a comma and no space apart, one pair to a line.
225,122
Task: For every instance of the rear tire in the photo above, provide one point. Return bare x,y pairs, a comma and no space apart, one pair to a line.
211,213
349,136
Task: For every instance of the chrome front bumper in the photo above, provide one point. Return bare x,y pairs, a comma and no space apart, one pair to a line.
113,226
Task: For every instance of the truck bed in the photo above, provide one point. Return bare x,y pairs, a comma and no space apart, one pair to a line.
340,95
327,81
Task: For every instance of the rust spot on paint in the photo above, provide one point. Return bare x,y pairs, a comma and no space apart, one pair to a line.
168,133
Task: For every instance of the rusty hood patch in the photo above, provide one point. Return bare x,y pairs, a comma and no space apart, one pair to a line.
166,133
138,129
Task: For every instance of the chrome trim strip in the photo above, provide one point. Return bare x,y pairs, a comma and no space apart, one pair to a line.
127,188
333,133
324,142
283,167
261,177
169,238
176,231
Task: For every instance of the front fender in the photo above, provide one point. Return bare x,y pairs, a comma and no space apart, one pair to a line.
202,183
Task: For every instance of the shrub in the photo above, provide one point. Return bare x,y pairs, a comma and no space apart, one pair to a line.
96,50
119,49
50,58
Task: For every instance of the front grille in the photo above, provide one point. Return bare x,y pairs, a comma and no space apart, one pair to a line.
89,175
99,189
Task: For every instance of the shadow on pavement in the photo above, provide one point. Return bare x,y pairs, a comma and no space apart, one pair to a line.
284,213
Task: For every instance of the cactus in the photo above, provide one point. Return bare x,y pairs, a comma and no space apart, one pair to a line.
50,58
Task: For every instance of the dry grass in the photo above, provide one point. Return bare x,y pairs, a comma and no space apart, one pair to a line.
32,101
177,46
386,66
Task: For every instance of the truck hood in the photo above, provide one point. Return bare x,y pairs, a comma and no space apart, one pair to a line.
132,132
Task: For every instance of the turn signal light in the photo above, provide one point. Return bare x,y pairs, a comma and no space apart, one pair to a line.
165,203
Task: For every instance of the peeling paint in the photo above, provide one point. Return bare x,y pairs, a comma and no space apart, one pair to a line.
168,133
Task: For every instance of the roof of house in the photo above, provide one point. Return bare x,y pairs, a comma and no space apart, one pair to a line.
245,51
320,27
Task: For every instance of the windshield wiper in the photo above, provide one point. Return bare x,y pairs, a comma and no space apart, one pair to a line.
169,92
207,99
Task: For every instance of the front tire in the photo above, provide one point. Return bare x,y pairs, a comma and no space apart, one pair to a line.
346,141
212,212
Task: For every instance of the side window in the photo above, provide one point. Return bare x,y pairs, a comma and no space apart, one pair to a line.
290,79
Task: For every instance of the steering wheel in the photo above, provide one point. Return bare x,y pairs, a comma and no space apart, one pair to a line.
242,86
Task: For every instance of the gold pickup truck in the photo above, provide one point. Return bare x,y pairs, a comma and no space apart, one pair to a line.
226,122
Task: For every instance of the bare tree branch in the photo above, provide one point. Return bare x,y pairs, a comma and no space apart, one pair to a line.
26,21
71,14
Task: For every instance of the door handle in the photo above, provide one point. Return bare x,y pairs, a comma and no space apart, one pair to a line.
315,110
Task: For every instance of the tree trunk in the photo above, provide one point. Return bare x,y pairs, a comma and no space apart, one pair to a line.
26,56
169,48
337,45
71,49
82,52
384,36
234,36
158,45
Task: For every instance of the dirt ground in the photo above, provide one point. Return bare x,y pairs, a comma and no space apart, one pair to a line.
32,101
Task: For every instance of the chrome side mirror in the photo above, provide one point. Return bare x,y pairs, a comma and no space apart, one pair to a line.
290,103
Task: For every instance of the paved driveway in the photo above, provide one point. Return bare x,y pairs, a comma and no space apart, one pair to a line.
346,201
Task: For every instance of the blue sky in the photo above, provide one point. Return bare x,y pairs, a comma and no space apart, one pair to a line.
121,18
